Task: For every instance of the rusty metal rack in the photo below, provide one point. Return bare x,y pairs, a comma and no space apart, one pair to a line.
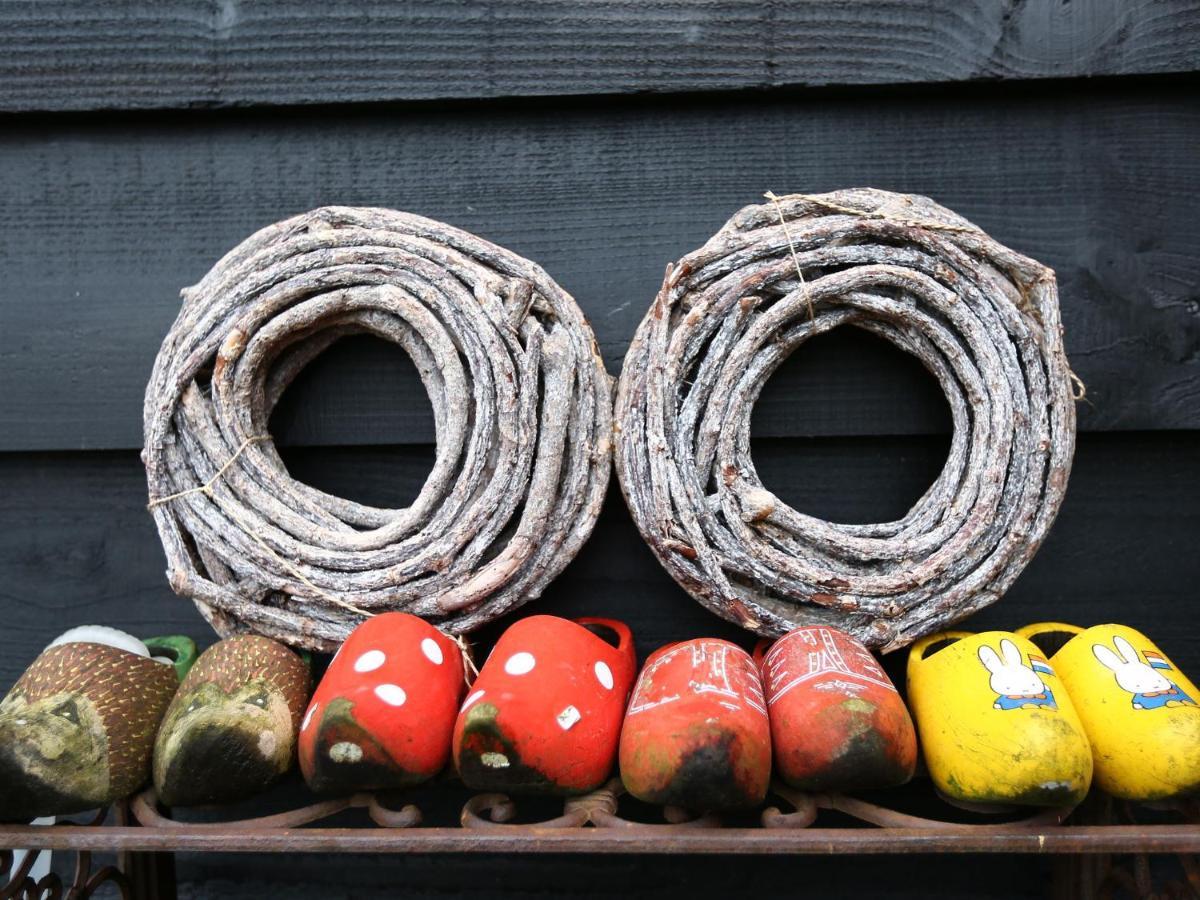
605,821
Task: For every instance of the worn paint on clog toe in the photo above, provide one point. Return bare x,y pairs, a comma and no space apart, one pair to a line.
1140,712
837,721
76,731
231,729
996,725
696,734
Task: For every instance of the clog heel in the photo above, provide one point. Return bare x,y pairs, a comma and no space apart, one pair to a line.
996,726
1139,711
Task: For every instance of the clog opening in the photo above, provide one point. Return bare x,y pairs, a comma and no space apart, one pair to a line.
165,652
1050,642
606,634
938,646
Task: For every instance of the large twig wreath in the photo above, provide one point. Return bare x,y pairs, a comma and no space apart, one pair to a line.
521,409
983,319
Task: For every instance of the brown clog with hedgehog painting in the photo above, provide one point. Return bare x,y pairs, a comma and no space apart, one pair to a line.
77,729
231,729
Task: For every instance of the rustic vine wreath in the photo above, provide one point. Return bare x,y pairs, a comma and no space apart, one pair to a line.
983,319
521,409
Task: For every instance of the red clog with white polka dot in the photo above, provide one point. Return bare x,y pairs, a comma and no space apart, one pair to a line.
544,716
696,734
383,714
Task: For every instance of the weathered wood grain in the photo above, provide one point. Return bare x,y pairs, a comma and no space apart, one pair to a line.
1120,551
132,54
592,877
114,217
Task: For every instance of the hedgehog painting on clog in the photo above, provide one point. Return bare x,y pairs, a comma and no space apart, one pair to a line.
77,729
231,729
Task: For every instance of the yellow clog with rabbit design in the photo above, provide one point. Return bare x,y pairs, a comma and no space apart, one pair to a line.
1139,711
996,725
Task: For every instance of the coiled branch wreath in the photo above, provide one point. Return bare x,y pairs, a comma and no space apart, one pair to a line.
521,411
985,322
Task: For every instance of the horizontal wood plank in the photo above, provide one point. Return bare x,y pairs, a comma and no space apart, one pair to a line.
77,546
591,877
106,222
130,54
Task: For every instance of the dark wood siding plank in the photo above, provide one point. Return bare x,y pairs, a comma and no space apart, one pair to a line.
77,546
80,55
106,222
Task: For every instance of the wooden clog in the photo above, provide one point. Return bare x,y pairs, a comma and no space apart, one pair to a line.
384,713
837,721
696,734
544,716
231,729
1140,712
997,726
76,730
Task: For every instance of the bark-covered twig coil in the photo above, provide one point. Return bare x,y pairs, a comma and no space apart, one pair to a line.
983,319
521,407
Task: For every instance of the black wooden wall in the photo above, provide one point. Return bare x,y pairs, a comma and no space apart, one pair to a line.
139,141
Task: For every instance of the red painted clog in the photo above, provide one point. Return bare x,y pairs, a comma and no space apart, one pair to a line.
837,722
544,716
696,734
383,714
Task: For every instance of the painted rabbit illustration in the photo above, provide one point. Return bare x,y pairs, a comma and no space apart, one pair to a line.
1151,689
1017,685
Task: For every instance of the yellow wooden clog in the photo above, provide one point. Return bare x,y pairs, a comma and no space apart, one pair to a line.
1139,711
996,726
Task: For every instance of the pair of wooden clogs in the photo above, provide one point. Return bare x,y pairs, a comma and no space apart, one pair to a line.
99,712
1028,718
543,716
706,719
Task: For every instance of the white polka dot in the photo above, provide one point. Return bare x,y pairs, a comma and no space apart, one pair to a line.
370,661
475,696
345,752
520,663
568,717
391,694
494,760
312,711
604,675
432,651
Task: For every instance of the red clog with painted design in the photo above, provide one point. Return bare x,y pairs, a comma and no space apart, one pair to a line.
544,716
696,734
383,714
837,722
